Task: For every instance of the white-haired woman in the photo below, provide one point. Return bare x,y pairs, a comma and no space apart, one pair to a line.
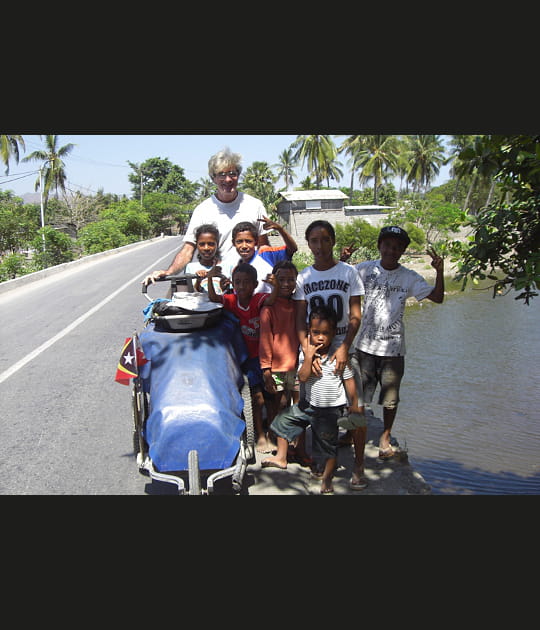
225,208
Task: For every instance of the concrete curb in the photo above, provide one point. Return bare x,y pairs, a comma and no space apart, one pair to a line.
395,476
8,285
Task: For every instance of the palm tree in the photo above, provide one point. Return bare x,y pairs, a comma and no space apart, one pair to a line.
404,160
426,157
331,170
206,187
458,144
285,167
9,147
318,151
378,159
54,173
477,160
307,184
259,173
258,180
352,146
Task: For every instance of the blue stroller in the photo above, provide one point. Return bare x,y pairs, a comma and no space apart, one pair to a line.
191,401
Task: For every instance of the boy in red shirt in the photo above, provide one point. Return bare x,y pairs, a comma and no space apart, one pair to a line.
245,304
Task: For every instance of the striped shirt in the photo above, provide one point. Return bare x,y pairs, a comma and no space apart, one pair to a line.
327,390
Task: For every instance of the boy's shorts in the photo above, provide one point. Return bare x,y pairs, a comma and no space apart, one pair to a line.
291,422
285,381
384,371
252,368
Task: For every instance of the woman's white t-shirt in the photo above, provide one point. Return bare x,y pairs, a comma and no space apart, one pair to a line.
225,216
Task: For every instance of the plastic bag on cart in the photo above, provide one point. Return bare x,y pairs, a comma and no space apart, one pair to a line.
194,380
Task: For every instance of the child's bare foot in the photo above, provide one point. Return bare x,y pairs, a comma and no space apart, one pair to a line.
327,487
274,462
358,480
263,445
271,441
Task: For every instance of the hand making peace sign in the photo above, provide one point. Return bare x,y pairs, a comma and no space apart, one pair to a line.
437,262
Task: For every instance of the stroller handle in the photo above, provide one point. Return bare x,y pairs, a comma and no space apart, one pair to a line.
175,279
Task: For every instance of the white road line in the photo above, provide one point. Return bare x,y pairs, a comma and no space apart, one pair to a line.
35,353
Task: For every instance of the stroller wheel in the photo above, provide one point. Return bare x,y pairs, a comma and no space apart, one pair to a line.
194,473
249,434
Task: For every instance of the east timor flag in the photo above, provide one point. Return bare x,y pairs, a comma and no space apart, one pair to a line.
130,359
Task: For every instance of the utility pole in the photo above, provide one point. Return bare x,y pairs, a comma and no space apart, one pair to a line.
42,208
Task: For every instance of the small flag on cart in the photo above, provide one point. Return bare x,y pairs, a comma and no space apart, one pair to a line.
130,360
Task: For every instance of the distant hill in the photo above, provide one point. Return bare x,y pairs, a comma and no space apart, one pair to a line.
31,197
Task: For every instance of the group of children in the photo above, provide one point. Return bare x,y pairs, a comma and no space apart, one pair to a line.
301,332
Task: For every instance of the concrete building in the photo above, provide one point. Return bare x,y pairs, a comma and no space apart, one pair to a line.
300,207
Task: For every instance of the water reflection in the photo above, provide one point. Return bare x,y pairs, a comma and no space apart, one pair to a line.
470,398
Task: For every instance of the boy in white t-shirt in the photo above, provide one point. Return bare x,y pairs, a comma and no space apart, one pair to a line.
379,347
244,239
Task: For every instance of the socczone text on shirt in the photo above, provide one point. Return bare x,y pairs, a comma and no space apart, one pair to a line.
326,285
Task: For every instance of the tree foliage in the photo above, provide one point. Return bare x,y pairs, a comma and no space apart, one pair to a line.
133,222
430,213
426,156
54,173
362,235
318,152
285,167
18,222
157,175
51,247
377,156
165,211
12,265
258,180
506,233
9,148
100,236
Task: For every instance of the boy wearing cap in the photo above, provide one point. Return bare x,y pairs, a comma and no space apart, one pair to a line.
379,354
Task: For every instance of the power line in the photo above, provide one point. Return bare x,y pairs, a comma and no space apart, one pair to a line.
21,173
90,161
89,189
16,178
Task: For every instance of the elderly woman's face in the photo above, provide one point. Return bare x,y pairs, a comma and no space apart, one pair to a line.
227,183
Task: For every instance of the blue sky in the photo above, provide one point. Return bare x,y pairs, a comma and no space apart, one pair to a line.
101,161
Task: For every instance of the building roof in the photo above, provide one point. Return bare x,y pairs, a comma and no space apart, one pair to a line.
368,207
306,195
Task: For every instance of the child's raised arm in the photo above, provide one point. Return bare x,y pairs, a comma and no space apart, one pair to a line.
289,241
310,352
213,273
272,297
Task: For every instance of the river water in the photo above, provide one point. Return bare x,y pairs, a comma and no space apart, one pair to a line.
469,414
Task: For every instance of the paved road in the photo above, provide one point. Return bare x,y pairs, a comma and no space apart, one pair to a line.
66,424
